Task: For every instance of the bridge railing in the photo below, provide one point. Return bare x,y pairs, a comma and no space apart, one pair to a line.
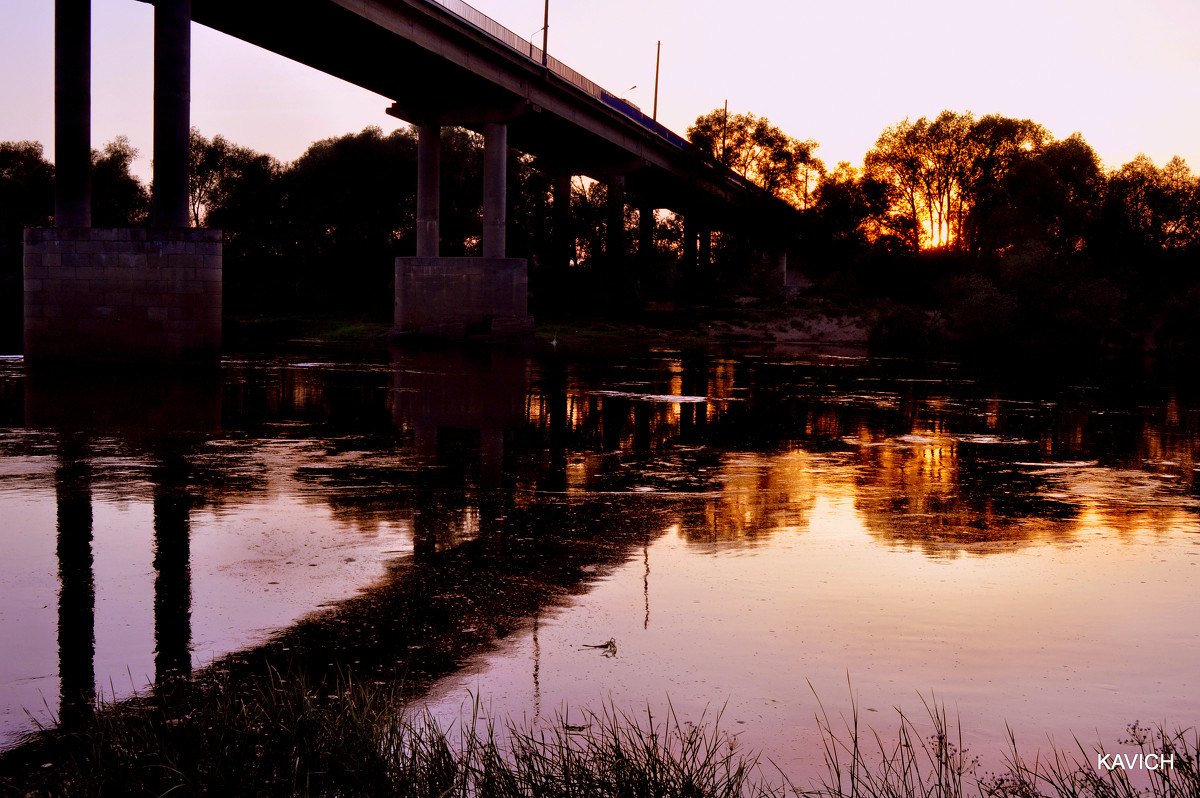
534,53
524,46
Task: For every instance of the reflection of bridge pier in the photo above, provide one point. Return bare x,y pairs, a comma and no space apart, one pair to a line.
154,413
448,396
77,595
458,405
172,569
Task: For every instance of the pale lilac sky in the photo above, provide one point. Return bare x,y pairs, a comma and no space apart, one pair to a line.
1125,74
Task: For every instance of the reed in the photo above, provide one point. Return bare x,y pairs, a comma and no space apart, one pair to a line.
929,760
280,734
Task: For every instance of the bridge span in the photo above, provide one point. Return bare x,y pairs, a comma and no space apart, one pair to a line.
442,62
156,294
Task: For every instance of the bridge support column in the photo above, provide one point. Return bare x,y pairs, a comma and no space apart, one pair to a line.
564,241
614,245
172,97
495,178
689,244
429,194
128,294
72,113
779,259
646,223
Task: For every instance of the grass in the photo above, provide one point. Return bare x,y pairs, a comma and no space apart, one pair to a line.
933,763
281,735
280,329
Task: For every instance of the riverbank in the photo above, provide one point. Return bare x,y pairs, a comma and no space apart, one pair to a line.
283,735
880,330
748,323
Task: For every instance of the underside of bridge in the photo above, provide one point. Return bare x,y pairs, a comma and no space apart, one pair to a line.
97,294
438,68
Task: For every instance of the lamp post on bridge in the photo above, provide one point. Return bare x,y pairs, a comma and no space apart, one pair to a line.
535,33
657,61
545,31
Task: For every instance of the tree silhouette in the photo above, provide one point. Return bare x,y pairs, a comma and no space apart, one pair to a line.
941,169
760,152
119,199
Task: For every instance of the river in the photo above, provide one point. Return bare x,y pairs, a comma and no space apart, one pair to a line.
754,530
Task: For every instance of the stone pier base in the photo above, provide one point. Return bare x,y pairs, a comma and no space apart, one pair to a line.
124,295
458,298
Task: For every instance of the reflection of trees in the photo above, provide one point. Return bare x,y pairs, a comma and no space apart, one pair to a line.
759,496
946,494
938,495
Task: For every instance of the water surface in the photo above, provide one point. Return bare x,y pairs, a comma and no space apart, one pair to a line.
751,530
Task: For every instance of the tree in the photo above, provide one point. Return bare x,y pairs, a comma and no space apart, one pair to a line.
854,207
349,207
760,152
220,172
119,199
942,169
1152,208
26,193
26,199
1043,202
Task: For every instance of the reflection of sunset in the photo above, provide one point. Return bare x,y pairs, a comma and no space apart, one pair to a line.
752,526
910,471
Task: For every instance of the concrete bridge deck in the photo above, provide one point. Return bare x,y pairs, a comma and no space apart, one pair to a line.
157,296
443,68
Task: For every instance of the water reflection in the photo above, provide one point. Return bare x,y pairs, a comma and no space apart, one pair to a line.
77,595
172,568
156,415
744,521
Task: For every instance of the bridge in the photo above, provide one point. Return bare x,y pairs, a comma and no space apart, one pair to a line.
155,294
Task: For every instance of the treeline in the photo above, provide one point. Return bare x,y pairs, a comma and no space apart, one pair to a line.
322,232
983,235
986,234
959,234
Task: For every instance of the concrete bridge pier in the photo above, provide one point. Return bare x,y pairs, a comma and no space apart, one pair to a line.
778,259
697,243
564,240
172,106
457,298
429,190
73,113
614,228
646,225
690,240
495,188
130,295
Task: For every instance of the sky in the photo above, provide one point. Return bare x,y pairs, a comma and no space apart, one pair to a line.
1124,74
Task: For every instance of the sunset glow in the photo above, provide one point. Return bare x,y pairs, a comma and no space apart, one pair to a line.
1123,75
